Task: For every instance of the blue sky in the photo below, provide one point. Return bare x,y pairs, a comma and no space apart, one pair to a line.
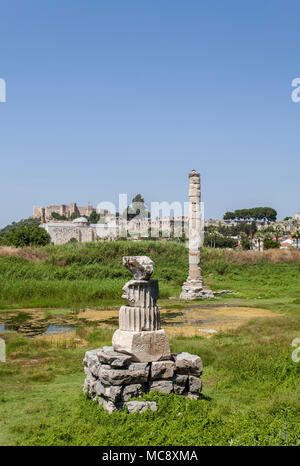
126,96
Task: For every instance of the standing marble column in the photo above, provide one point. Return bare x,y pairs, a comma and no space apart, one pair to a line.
193,287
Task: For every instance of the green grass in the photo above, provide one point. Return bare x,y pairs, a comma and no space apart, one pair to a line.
86,274
251,386
251,394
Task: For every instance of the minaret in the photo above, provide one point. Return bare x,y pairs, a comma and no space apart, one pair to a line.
193,287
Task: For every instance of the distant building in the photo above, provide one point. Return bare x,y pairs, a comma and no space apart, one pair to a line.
66,210
297,217
81,230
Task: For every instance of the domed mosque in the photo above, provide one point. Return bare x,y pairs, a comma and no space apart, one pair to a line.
81,221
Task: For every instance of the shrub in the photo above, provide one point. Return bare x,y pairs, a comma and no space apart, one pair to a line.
27,236
270,244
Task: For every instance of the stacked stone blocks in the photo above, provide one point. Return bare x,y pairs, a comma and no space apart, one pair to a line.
113,378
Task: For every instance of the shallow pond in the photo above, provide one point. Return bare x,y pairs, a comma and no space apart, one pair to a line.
194,319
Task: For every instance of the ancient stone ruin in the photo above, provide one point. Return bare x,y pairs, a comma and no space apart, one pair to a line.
139,360
193,287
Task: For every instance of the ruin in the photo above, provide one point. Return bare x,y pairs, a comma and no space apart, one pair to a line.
139,360
64,210
193,287
112,228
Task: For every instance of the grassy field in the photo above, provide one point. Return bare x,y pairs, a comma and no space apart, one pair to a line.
251,386
251,394
78,275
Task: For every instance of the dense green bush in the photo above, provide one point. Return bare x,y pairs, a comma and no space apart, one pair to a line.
270,244
219,241
27,236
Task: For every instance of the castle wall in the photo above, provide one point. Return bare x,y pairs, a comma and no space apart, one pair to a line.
63,209
62,233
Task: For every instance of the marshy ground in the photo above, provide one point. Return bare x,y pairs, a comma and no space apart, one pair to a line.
186,320
55,303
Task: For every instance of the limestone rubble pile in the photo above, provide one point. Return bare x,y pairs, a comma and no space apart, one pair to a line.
113,378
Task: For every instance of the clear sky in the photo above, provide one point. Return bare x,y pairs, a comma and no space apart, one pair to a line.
126,96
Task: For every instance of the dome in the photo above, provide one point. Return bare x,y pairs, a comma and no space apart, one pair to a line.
81,220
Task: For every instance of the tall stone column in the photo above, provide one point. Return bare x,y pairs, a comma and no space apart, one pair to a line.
193,287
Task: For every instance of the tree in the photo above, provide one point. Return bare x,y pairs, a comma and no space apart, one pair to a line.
136,209
245,242
57,216
27,236
24,222
219,241
229,216
296,234
270,244
72,241
266,214
94,217
278,232
259,235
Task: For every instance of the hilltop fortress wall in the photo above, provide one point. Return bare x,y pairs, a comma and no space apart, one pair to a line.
63,209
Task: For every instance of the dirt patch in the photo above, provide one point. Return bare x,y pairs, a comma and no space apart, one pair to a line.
189,321
197,321
108,318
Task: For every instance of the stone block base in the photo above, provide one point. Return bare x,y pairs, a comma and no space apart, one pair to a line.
113,378
193,289
143,346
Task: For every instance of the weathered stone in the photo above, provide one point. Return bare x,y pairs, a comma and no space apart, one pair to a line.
140,266
164,386
107,355
180,383
108,405
144,346
141,293
92,387
193,396
91,358
139,361
193,287
90,378
91,362
131,391
135,373
140,406
139,319
162,370
195,385
110,392
85,386
95,370
187,363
